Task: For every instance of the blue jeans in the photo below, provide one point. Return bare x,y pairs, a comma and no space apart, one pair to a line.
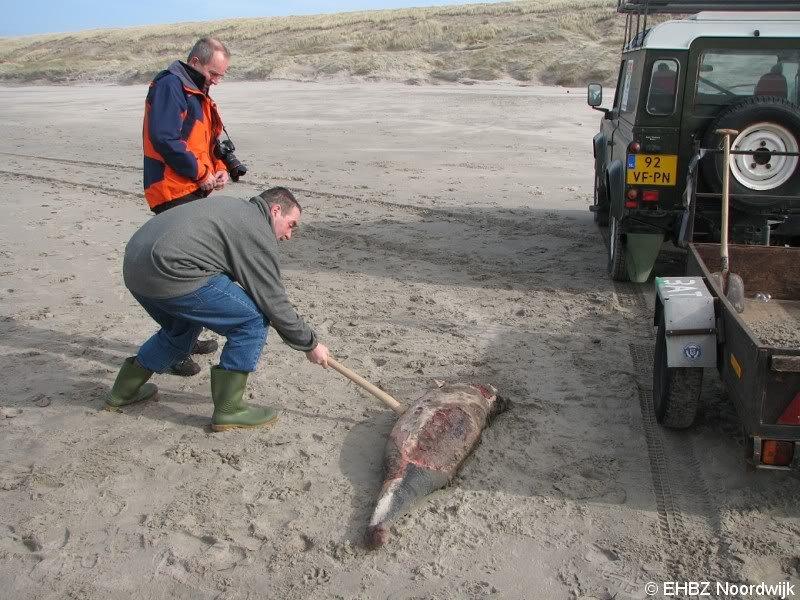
221,306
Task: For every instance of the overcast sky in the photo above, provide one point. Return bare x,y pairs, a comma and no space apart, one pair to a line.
25,17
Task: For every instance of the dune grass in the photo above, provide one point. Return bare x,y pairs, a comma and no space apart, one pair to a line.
563,42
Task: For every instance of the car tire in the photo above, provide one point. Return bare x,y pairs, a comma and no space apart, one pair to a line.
676,391
764,122
600,200
616,251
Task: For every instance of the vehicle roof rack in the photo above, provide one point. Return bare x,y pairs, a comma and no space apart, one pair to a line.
684,7
637,11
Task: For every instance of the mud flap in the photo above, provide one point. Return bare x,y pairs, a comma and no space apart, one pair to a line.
641,251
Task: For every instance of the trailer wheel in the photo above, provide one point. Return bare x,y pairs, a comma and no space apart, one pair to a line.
767,124
616,251
676,391
600,200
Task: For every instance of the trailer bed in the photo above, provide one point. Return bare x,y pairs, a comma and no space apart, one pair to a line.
775,323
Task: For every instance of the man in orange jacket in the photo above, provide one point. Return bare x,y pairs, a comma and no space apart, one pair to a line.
181,128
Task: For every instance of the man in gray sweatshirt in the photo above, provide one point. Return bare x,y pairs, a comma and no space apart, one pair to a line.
214,263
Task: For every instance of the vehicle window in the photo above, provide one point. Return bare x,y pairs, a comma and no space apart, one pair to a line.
727,75
620,84
629,94
663,87
626,87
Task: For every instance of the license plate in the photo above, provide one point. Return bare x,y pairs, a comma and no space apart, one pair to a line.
652,169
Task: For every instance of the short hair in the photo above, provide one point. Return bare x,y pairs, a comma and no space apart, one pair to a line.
204,50
282,197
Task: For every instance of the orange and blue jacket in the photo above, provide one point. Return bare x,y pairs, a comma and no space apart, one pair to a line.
181,124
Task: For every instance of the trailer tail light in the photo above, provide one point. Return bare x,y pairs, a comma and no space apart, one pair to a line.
631,204
650,196
634,147
791,416
776,453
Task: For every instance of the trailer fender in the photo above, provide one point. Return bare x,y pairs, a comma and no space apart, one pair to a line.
688,310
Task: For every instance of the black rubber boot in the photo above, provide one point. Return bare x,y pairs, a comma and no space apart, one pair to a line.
230,410
185,367
131,385
205,347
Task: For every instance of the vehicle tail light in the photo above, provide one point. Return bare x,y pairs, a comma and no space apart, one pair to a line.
777,453
791,416
632,194
634,147
650,196
631,204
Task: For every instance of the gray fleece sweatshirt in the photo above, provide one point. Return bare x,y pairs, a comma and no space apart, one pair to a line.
179,250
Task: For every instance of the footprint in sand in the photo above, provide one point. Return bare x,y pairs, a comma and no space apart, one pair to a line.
316,576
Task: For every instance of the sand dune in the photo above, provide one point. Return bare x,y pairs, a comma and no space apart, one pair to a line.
562,42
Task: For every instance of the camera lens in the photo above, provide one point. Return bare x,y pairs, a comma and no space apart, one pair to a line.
224,151
235,168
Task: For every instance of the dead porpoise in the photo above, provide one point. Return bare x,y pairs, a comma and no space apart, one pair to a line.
427,445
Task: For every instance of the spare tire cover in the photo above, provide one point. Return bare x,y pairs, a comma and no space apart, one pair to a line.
766,124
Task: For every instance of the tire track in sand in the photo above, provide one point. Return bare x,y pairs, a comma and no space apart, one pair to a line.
537,227
74,184
687,517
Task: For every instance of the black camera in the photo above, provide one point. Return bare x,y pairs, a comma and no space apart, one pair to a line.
223,149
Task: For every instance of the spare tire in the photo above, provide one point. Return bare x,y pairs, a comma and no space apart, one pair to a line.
765,124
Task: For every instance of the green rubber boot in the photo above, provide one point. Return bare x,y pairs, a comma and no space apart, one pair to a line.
131,385
230,410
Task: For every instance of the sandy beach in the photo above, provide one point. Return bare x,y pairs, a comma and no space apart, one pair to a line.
446,236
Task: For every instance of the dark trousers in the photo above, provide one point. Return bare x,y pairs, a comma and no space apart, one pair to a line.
195,195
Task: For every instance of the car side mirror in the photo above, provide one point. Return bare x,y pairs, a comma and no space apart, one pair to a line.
594,94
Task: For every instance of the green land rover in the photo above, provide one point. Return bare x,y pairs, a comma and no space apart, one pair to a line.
658,161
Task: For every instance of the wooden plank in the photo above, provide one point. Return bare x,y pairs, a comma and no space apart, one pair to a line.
770,269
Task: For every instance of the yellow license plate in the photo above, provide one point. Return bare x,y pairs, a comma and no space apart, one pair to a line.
652,169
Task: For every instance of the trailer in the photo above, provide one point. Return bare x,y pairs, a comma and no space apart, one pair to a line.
756,352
